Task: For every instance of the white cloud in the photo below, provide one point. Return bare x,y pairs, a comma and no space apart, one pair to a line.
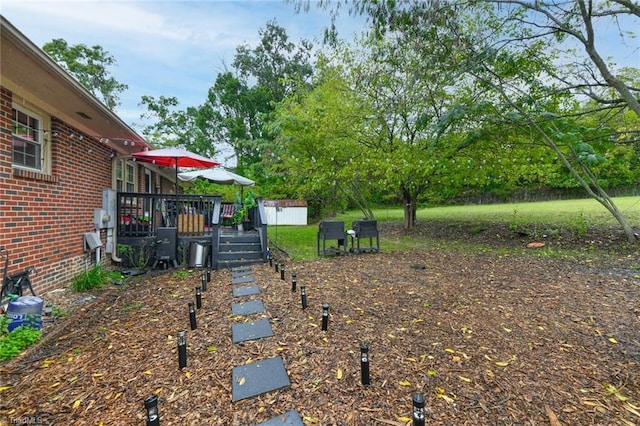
170,48
94,17
176,48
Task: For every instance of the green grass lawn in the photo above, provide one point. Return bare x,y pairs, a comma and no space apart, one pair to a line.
300,241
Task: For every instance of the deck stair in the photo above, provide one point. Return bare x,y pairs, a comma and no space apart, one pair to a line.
239,249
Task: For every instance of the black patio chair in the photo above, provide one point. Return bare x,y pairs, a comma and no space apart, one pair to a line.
366,228
332,230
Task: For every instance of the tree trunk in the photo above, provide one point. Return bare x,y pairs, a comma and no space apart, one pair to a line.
409,202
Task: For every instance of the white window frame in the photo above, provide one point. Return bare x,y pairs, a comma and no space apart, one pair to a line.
26,133
125,175
130,178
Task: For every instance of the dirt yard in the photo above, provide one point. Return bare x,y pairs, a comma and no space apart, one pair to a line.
498,335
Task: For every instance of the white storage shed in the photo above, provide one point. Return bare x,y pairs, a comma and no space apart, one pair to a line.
286,212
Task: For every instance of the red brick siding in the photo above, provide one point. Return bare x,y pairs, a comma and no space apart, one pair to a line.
43,218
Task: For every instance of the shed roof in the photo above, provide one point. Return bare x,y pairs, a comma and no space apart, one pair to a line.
285,203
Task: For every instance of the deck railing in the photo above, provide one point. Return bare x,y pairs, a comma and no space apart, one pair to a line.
140,215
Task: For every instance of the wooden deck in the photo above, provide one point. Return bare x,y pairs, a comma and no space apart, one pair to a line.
197,218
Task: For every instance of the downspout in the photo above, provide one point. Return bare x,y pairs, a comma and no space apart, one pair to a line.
111,235
114,252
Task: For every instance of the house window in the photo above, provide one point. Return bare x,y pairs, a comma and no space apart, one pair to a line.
125,176
129,177
26,140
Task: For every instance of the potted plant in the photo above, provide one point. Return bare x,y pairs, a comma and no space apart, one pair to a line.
249,203
238,217
241,215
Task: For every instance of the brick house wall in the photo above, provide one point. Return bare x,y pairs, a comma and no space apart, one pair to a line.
47,206
43,217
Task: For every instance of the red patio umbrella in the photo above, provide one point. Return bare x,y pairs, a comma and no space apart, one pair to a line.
174,157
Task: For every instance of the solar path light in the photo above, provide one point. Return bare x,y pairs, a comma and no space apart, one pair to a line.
364,364
418,409
325,316
151,405
192,316
182,349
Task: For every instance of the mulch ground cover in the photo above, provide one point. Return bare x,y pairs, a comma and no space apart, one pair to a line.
489,338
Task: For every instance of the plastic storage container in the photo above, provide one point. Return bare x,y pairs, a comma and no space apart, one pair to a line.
27,311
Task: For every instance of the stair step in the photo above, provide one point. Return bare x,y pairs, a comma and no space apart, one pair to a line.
240,238
231,255
233,263
239,247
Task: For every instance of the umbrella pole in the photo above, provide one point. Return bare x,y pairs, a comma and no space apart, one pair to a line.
176,208
176,186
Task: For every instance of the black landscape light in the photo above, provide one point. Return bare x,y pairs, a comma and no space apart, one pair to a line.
418,409
151,405
192,316
276,265
182,349
294,281
303,296
204,280
282,273
325,316
198,298
364,363
208,275
270,261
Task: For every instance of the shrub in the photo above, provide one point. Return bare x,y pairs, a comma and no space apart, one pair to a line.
12,343
94,278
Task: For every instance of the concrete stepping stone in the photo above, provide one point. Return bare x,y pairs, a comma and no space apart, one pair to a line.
246,291
242,280
258,377
290,418
235,274
247,308
253,330
241,268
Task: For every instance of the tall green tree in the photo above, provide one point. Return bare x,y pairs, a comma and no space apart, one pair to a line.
545,100
318,156
191,128
409,100
245,96
377,117
238,108
90,66
524,54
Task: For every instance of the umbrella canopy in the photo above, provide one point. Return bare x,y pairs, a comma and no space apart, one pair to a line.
174,157
216,175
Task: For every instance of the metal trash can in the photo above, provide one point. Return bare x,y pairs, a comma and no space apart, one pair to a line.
197,254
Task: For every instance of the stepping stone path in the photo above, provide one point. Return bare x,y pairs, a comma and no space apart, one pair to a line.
242,280
247,308
253,330
246,291
241,273
259,377
290,418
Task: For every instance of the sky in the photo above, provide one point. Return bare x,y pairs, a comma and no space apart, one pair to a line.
165,47
176,48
